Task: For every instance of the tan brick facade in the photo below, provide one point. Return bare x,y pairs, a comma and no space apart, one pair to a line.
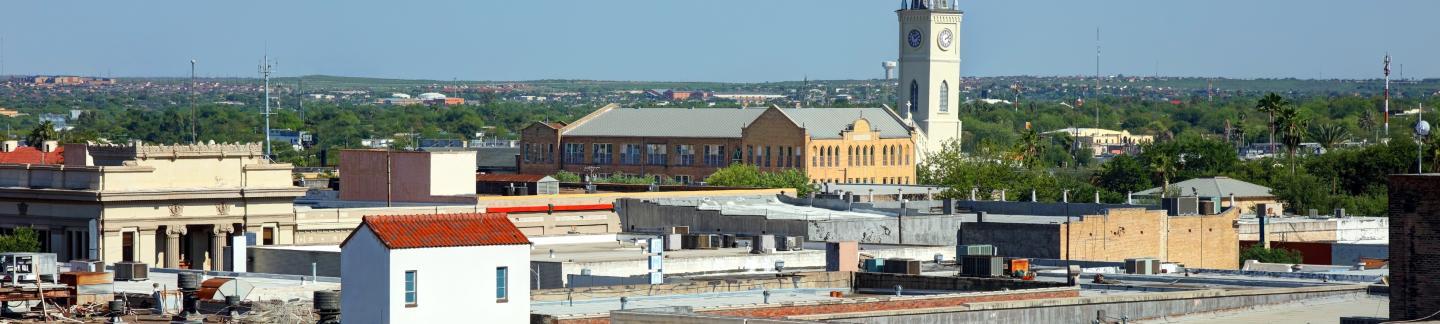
772,142
1202,241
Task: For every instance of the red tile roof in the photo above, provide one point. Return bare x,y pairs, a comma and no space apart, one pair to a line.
33,155
444,230
496,177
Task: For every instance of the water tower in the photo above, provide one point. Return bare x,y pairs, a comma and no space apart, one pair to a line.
889,69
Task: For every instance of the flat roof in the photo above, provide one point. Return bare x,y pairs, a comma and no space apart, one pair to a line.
770,207
603,306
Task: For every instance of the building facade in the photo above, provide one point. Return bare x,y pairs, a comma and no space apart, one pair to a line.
1104,141
173,206
831,145
408,176
435,269
1414,245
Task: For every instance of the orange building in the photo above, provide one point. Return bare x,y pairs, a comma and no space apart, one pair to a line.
831,145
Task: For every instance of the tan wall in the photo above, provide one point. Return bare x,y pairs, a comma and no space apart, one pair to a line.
1197,241
452,173
363,175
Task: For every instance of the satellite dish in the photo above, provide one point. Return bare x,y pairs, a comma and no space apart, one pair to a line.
1422,128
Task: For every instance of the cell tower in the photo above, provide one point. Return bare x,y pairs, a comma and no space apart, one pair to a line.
1387,95
265,69
1097,76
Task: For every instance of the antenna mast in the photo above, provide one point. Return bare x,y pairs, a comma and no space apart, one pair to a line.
193,117
1387,96
265,70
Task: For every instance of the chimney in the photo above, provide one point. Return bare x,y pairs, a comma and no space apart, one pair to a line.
49,146
10,146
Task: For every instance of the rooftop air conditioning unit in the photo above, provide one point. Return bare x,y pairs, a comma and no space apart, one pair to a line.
982,265
1144,266
975,249
795,243
131,271
87,266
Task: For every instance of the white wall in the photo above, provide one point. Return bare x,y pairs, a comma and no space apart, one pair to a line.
363,294
456,284
452,173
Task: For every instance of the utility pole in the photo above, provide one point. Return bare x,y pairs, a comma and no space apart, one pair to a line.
265,70
193,117
1097,76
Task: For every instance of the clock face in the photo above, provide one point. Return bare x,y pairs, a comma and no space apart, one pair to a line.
945,38
914,38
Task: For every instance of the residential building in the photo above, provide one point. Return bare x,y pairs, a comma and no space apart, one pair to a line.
173,206
1104,141
49,152
1246,195
435,269
831,145
407,176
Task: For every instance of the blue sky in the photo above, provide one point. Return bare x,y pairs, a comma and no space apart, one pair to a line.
731,40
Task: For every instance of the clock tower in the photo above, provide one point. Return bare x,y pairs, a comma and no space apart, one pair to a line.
929,83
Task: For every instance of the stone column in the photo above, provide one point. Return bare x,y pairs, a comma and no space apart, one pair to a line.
218,235
172,245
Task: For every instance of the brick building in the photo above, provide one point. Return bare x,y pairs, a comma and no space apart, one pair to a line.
1414,245
831,145
1107,233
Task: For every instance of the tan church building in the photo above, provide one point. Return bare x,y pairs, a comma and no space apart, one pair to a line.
831,145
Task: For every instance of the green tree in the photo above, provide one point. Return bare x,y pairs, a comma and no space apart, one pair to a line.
23,239
1122,174
1271,104
745,175
1292,131
45,131
1258,252
1329,136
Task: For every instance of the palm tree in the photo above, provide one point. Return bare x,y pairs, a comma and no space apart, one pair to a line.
1065,142
1368,123
1027,150
1329,136
1271,104
45,131
1164,167
1291,127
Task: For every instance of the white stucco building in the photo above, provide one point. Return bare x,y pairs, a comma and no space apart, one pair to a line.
450,268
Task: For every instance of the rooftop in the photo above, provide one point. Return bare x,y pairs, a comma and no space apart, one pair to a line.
770,207
1214,187
728,122
444,230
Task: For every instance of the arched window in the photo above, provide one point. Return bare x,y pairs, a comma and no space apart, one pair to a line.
914,96
944,96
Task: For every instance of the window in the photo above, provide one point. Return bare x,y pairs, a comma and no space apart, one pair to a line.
750,154
502,293
767,156
549,153
529,153
574,153
685,179
267,236
687,154
914,103
944,96
656,154
602,154
630,155
410,295
715,155
128,242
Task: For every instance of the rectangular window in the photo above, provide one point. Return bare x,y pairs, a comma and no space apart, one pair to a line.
750,154
574,153
687,154
528,154
767,156
630,154
683,179
656,154
410,295
549,153
267,236
715,155
602,154
502,292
